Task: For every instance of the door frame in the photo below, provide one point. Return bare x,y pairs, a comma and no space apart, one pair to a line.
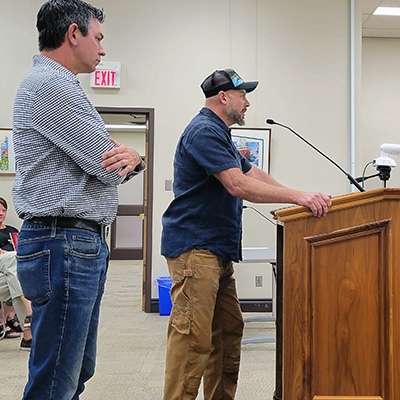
148,197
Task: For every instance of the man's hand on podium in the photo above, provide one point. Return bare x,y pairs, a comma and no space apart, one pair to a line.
318,203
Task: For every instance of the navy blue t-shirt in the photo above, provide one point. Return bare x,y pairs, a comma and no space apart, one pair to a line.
203,215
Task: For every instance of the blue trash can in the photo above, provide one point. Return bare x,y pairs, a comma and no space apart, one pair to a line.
164,296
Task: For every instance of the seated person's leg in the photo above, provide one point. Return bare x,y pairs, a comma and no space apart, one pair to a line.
8,270
9,332
22,312
11,318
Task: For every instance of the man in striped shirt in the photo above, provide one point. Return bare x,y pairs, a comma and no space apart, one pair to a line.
65,189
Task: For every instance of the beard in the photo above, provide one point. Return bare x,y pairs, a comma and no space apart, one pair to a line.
234,114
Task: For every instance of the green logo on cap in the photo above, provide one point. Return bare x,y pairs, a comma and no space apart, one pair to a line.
235,78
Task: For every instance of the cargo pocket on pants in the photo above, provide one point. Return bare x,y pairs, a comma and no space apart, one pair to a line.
181,319
182,309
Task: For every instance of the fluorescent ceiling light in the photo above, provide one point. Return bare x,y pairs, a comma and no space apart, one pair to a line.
387,11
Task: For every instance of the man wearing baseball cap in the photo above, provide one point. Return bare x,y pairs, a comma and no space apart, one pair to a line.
202,230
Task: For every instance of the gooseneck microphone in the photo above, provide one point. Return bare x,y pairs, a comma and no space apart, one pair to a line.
349,177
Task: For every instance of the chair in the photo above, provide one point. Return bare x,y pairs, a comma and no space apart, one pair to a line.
14,239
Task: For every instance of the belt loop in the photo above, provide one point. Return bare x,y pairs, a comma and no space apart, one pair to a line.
54,227
103,233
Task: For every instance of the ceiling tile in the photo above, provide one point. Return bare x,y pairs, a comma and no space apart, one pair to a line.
369,6
382,22
381,33
390,3
379,25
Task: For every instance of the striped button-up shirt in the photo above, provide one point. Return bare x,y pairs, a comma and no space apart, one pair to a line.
59,139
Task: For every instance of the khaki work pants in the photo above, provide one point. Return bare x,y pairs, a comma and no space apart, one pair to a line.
205,328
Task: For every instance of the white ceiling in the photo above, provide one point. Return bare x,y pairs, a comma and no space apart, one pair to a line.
379,26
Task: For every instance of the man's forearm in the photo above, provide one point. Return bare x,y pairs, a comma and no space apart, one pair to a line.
262,176
251,189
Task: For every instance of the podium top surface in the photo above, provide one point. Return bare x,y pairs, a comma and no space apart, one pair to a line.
338,203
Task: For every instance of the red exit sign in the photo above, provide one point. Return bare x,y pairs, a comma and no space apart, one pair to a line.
107,75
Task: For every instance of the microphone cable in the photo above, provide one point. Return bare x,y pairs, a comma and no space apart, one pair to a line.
260,213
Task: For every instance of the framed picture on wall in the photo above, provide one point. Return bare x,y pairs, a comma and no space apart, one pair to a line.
7,161
254,144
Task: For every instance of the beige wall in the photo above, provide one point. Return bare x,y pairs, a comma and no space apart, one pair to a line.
380,104
299,51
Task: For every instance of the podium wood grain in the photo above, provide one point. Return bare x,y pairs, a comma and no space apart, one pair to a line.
341,309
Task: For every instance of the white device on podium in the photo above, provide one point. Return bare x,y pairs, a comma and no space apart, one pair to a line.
384,163
384,159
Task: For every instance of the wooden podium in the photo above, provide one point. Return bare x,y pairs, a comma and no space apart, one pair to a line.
338,313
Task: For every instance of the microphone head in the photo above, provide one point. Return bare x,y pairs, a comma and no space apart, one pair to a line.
270,121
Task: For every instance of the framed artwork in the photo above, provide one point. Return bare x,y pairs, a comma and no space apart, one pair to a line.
7,161
254,144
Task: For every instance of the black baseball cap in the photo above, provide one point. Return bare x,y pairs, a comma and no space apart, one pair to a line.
225,79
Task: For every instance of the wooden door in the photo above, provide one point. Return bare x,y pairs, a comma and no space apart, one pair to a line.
127,229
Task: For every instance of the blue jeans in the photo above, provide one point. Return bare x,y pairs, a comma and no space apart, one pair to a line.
63,272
